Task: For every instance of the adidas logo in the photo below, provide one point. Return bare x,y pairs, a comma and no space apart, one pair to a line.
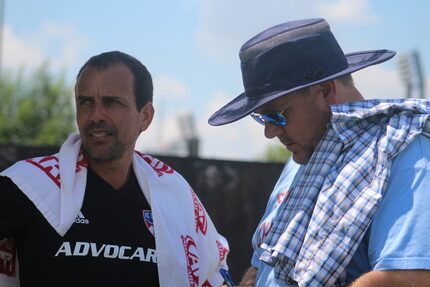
80,219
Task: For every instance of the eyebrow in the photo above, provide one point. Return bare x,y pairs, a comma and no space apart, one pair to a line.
83,97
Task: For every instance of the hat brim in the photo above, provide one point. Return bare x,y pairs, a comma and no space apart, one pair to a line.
242,105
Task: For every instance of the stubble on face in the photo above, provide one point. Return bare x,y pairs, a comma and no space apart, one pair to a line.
304,152
310,120
101,151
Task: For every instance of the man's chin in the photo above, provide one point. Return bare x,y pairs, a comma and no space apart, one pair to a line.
102,154
300,158
102,158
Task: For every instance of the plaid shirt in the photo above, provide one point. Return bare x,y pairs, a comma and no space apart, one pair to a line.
323,219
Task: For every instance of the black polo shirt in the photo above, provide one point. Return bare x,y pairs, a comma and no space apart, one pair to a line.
111,242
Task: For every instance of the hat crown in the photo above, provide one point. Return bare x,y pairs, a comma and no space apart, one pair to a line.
290,56
280,34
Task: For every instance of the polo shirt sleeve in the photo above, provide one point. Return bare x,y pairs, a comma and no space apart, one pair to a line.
400,232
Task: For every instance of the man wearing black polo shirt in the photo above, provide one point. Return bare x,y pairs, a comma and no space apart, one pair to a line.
98,213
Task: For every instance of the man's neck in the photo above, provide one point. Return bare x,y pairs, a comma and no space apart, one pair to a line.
114,173
347,93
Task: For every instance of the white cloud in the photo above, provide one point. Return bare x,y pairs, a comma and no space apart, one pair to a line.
347,11
221,37
59,44
19,53
65,42
377,82
168,87
225,25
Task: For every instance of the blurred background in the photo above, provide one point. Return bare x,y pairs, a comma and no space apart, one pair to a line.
191,49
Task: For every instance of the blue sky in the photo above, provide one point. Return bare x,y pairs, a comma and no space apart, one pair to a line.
191,49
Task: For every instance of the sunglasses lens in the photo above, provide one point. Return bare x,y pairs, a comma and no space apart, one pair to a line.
258,118
276,119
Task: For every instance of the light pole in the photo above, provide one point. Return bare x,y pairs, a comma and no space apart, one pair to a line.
405,73
188,129
412,74
420,75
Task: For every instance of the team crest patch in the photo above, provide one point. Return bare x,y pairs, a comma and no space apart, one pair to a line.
147,217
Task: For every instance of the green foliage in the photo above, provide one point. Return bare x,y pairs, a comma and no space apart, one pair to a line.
276,153
36,109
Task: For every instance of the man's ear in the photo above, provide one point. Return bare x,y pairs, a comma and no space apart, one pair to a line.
329,91
146,114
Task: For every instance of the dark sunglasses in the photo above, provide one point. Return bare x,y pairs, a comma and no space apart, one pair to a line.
275,118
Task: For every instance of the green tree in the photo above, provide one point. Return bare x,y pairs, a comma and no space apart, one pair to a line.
276,153
36,109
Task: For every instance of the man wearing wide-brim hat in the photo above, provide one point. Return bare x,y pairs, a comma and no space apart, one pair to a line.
351,207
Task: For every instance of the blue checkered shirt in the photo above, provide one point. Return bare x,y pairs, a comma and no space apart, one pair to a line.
324,217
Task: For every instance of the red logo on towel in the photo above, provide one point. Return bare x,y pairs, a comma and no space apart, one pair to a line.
7,257
81,163
192,260
206,284
199,214
50,165
160,167
222,250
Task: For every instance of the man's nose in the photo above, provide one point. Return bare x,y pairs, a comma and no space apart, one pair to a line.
99,112
271,130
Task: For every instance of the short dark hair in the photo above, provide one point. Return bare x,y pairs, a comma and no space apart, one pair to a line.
143,87
346,80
